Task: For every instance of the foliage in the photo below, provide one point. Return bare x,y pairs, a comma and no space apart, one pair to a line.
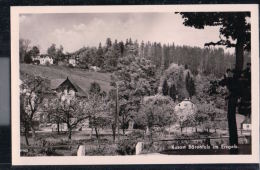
126,147
97,108
175,76
135,78
31,99
157,111
190,86
95,88
235,31
165,88
69,110
56,53
23,49
173,92
232,25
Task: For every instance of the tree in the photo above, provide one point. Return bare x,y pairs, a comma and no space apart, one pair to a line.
28,57
190,86
52,50
59,54
95,88
233,28
135,78
98,109
100,56
35,51
72,111
165,88
53,112
23,48
173,92
32,92
156,111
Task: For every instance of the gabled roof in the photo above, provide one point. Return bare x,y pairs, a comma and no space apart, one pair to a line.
56,83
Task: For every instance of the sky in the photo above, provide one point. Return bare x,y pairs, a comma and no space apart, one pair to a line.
73,31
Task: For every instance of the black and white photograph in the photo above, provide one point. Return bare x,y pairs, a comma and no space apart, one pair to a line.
148,84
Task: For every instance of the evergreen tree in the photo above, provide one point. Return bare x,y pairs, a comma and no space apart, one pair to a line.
173,92
100,56
165,88
190,86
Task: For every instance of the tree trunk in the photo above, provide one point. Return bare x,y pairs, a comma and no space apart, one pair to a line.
232,102
58,127
123,130
26,137
96,132
232,126
33,132
239,49
196,129
91,133
114,132
70,132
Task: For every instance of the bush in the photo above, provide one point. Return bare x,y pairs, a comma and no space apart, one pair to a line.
71,66
136,134
36,62
126,147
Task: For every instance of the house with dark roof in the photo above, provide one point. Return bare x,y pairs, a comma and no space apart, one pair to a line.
67,87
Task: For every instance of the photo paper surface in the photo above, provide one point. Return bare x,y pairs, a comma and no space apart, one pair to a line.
135,84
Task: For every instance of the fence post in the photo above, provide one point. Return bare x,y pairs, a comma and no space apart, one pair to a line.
81,151
139,147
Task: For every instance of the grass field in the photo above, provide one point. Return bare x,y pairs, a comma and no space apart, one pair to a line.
82,77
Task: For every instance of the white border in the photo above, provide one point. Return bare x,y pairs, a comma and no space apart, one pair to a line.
151,159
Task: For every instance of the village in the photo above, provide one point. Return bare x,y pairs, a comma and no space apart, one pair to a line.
67,89
86,91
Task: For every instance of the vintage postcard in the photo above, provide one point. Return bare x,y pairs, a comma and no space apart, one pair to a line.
164,84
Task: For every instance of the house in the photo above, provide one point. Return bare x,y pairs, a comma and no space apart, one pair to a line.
43,59
185,108
94,68
246,124
67,88
72,62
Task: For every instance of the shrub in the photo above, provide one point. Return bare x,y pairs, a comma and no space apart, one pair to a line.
126,147
136,134
37,62
71,66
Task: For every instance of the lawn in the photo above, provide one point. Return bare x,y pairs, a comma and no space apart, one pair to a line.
82,77
59,145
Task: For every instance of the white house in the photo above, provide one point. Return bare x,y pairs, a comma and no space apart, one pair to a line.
94,68
246,124
43,60
72,61
185,108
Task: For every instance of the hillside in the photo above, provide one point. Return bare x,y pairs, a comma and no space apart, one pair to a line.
81,77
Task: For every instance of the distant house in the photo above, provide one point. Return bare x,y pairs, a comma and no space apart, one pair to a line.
72,62
94,68
185,108
67,88
43,59
246,124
